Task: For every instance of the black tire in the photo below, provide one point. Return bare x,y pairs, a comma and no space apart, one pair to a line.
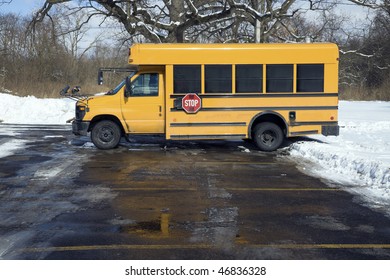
268,136
106,135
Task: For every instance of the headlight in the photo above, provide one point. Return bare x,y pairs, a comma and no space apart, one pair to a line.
80,112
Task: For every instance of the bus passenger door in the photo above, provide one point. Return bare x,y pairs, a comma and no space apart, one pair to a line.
143,107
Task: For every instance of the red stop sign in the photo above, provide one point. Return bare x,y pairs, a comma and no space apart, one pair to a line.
191,103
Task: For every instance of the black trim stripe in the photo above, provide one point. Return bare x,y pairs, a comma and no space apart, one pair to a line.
313,108
260,95
305,132
209,136
208,124
312,123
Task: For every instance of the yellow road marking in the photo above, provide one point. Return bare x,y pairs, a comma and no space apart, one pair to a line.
233,162
116,247
201,246
281,189
155,189
228,189
323,246
196,162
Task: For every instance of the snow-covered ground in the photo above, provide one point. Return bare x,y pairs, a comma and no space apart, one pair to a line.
359,158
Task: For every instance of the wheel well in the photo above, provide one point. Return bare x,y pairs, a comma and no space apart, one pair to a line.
99,118
268,117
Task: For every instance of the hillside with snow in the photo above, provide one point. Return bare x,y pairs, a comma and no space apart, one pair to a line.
357,160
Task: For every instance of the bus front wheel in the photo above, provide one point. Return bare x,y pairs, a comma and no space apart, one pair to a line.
106,135
268,136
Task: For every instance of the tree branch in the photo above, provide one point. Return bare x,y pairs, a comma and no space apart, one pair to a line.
356,52
373,4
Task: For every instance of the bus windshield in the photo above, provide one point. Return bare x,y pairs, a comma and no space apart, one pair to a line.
119,86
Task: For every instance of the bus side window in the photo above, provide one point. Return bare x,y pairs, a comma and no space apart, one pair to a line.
280,77
310,78
218,78
249,78
145,85
186,79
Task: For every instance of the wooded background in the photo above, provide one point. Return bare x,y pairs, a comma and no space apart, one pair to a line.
65,42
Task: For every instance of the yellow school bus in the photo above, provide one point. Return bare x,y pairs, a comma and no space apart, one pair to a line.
261,92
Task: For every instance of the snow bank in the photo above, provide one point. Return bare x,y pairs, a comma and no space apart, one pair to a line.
359,156
32,110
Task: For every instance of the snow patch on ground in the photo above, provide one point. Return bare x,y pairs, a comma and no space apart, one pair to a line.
10,147
359,156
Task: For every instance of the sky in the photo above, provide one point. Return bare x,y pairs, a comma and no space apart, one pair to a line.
22,7
28,7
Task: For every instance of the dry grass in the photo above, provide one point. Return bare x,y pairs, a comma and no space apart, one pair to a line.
360,93
52,90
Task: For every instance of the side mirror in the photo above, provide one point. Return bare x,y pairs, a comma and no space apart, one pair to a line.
64,91
128,88
100,77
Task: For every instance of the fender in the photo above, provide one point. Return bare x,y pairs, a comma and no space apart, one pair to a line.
270,116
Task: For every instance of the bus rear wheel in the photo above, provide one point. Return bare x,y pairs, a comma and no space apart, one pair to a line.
106,135
268,136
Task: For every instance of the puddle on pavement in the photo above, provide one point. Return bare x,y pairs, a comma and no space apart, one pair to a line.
326,223
151,229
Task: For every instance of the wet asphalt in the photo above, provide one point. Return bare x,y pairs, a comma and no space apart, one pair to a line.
61,198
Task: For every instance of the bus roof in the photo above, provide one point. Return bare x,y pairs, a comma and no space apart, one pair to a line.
287,53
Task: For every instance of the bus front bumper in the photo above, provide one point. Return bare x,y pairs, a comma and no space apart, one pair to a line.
80,128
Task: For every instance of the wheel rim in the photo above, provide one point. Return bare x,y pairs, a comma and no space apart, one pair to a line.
268,138
106,134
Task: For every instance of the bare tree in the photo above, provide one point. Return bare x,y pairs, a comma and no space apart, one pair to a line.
174,20
251,21
188,20
373,4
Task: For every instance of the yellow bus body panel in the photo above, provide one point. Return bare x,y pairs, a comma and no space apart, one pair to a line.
174,54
